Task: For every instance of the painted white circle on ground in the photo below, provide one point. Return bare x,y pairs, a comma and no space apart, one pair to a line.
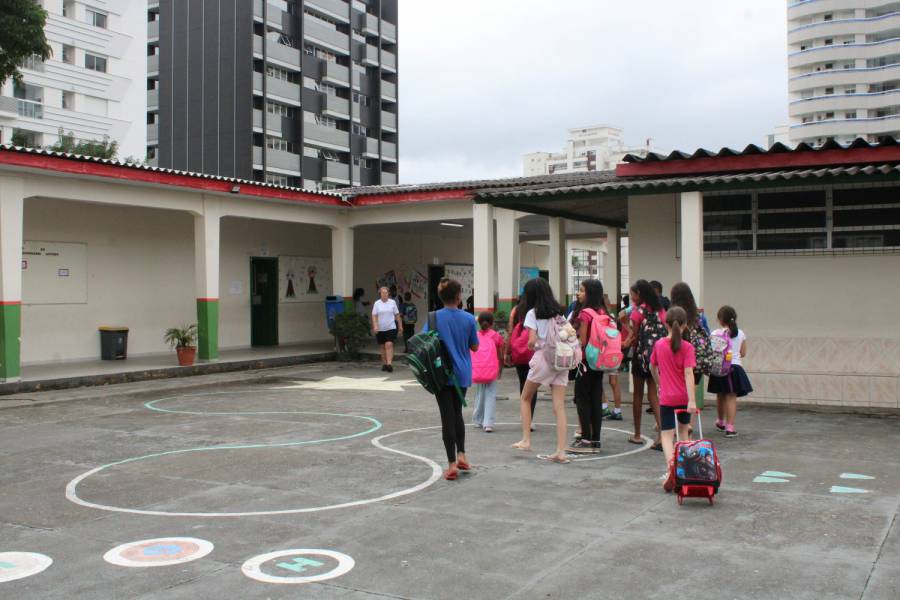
158,552
298,561
19,565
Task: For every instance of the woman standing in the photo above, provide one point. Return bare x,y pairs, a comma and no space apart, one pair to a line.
646,324
385,324
538,321
517,352
589,383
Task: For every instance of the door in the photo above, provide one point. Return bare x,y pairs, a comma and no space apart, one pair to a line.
435,274
263,301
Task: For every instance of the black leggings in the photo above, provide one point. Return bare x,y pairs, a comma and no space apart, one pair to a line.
452,425
589,400
522,372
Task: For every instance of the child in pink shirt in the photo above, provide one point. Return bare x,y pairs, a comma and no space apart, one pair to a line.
672,365
487,368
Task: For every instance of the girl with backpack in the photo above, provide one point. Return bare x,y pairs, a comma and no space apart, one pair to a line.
539,320
518,354
646,324
695,334
487,364
588,382
672,364
735,384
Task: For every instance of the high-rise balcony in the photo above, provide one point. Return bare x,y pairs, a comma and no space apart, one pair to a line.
152,30
388,150
334,8
277,52
275,16
337,171
153,64
846,127
366,54
388,90
367,23
152,99
842,27
839,52
290,92
388,31
273,122
388,60
839,77
805,8
8,107
325,35
29,109
333,72
336,106
277,159
152,133
371,147
326,135
844,102
388,120
388,178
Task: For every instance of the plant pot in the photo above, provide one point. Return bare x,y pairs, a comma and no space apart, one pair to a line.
186,355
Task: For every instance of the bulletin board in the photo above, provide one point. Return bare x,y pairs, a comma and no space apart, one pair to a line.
465,275
526,274
54,273
304,279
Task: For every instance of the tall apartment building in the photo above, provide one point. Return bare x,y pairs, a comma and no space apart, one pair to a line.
597,148
291,92
92,86
844,69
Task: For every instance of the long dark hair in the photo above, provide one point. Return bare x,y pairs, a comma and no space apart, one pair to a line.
676,318
647,295
682,296
728,317
521,309
539,296
593,298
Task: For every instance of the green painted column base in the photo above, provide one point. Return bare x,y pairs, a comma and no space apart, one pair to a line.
207,328
348,304
506,306
10,347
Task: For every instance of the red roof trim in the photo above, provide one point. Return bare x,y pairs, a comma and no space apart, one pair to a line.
757,162
97,169
408,197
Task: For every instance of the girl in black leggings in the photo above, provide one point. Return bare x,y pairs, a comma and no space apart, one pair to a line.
589,384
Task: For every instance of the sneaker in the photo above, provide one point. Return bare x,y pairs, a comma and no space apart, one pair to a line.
596,446
477,425
730,433
615,416
389,368
720,424
489,429
649,410
384,367
581,447
607,413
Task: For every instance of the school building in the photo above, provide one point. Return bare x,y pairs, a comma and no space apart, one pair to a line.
802,242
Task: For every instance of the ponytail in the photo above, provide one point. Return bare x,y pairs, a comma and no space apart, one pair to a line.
676,319
676,338
728,317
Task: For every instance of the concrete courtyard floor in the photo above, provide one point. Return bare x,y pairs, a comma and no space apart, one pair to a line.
279,444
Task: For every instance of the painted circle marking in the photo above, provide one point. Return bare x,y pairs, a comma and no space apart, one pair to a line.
19,565
298,563
158,552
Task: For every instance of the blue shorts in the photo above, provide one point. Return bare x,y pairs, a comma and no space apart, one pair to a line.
667,417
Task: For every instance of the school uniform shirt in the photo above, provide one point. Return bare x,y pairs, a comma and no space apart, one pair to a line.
542,326
458,331
385,311
736,343
671,365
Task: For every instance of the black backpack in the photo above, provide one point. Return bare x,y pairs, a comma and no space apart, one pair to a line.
651,331
429,361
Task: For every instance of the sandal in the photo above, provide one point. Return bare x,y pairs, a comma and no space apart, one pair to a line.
451,475
463,466
559,459
638,441
657,446
521,446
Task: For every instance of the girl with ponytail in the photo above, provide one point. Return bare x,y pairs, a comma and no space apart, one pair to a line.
672,366
736,384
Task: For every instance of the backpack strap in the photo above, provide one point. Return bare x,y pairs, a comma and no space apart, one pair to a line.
432,321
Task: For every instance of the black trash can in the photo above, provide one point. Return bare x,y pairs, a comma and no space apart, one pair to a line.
113,343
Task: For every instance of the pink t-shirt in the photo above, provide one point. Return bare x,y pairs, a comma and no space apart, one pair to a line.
637,317
672,389
485,364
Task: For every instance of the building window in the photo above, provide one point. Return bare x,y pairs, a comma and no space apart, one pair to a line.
276,143
829,66
94,63
828,17
280,74
329,155
850,90
33,62
829,91
850,115
324,121
866,218
277,179
151,152
327,89
281,110
68,9
361,99
360,130
829,41
97,19
68,100
829,115
68,54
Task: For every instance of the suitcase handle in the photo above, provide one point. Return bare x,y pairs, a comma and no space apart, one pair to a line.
699,422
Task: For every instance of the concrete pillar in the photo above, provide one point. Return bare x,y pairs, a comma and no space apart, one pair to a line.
206,271
507,259
483,256
692,243
342,264
559,267
612,271
12,194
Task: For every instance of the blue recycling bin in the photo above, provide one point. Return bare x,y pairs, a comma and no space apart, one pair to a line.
334,305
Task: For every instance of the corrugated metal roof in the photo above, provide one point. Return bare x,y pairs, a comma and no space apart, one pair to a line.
534,181
633,183
777,148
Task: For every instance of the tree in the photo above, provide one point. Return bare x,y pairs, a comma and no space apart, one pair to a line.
21,36
100,148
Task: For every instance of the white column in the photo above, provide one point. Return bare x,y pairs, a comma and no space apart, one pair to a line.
507,256
483,256
559,267
612,273
206,273
692,243
12,194
342,261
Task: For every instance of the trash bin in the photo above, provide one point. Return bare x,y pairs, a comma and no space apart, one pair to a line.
113,343
334,305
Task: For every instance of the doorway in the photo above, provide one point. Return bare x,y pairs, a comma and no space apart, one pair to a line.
435,274
263,301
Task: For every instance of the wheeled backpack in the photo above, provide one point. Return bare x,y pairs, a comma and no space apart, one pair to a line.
429,362
697,471
603,351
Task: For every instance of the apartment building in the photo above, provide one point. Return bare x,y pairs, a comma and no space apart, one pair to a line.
289,92
92,86
844,69
597,148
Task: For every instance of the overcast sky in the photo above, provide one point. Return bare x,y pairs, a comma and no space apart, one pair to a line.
484,81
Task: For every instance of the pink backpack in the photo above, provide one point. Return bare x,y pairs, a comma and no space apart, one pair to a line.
518,346
603,351
485,365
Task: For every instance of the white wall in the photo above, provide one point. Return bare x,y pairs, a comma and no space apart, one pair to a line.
652,222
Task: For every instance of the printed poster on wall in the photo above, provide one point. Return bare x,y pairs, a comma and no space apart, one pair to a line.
525,275
54,273
465,275
303,279
406,280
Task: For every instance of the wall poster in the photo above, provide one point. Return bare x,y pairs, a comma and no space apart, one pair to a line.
303,279
465,275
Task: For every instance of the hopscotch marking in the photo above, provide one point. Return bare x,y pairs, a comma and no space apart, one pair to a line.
855,476
767,479
363,384
777,474
72,494
299,563
839,489
158,552
19,565
580,458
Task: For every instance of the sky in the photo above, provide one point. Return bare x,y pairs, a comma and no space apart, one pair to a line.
482,82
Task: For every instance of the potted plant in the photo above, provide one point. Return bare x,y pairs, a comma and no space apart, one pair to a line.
183,339
350,332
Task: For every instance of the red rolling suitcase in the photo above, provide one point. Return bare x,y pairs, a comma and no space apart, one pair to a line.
696,467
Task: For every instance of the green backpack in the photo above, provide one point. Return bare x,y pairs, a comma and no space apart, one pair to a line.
429,362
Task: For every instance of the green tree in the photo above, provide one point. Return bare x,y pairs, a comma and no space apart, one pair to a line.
21,35
100,148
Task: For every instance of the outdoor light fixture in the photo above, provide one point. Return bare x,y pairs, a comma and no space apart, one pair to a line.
452,224
235,189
